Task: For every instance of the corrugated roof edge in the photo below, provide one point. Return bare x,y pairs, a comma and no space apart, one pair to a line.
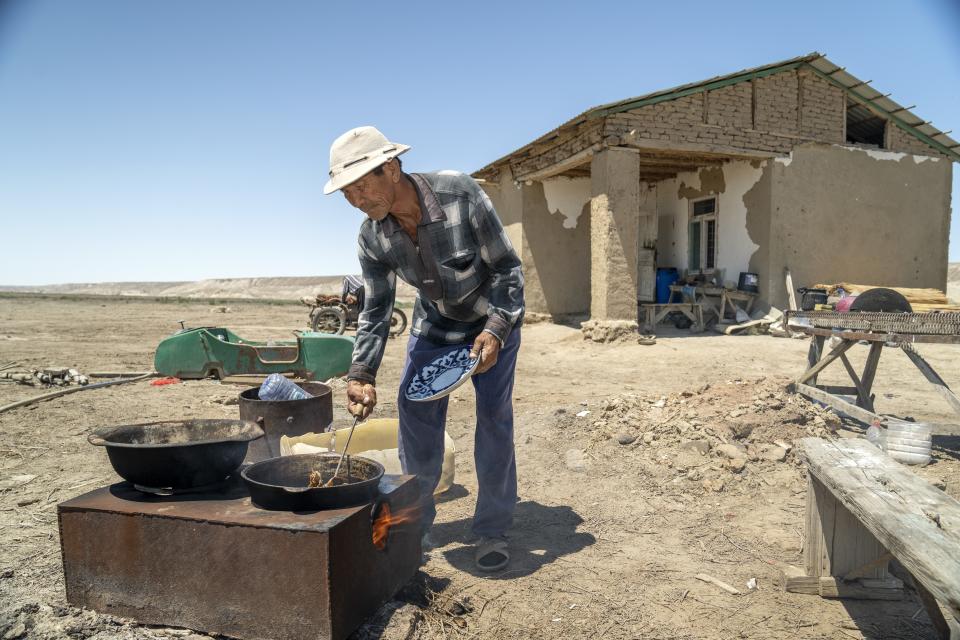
947,146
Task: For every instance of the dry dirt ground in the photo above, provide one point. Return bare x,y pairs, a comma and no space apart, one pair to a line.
608,536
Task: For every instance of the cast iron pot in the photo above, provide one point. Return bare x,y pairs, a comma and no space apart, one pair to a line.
280,418
177,454
281,484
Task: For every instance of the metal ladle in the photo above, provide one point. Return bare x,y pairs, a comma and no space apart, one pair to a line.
343,454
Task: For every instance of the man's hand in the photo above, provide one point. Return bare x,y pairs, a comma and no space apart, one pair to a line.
361,398
488,348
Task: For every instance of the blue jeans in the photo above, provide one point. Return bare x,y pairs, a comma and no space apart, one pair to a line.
421,437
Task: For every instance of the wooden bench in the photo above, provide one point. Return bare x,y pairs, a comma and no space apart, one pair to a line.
655,313
864,509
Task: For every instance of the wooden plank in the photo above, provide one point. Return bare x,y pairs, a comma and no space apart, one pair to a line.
578,159
917,523
838,390
940,624
870,367
890,338
814,352
932,377
646,267
808,585
821,520
831,588
867,569
847,408
835,353
719,583
854,547
791,295
863,398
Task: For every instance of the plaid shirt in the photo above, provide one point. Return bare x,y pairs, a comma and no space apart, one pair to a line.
467,275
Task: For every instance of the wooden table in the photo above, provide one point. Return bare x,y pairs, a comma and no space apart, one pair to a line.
705,296
655,313
731,298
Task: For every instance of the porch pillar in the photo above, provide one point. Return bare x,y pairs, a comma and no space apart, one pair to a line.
614,231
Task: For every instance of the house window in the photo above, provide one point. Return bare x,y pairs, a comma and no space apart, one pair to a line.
863,127
703,235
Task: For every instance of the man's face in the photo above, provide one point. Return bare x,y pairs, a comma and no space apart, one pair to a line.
373,194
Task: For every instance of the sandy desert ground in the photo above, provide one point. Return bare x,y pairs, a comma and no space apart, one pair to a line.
608,536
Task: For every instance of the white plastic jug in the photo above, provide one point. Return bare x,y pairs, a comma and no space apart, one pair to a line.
376,438
908,442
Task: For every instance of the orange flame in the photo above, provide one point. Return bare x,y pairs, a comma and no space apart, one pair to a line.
386,519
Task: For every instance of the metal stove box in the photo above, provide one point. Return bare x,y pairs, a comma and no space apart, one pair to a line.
213,562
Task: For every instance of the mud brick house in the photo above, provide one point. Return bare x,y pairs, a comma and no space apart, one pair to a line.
795,164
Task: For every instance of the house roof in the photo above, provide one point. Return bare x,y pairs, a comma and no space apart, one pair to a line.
859,90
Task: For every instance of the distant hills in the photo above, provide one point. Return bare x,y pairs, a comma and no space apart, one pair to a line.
291,288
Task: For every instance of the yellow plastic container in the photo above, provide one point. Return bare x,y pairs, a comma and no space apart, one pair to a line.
375,439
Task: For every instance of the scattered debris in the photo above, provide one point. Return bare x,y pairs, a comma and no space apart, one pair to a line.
712,438
159,382
719,583
53,376
62,392
759,322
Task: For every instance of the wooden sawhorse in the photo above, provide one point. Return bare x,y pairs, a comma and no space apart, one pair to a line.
863,410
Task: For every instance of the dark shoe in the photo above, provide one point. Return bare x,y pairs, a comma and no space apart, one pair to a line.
492,554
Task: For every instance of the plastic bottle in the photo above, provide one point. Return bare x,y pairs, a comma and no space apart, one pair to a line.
875,435
276,387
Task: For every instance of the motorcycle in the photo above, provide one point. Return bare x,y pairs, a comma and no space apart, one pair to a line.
336,314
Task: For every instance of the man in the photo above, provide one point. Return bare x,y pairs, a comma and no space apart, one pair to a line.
440,233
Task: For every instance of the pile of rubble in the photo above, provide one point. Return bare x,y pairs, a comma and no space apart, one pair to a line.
609,330
709,435
56,376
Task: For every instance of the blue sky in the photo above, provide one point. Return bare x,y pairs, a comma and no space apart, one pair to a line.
179,140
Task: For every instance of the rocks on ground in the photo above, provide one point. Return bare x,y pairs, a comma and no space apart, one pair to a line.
711,437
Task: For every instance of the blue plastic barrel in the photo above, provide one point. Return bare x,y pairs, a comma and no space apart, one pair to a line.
665,277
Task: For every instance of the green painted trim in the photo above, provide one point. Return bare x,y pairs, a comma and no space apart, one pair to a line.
602,112
922,137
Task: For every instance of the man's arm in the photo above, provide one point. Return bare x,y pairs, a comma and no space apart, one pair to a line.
505,297
373,326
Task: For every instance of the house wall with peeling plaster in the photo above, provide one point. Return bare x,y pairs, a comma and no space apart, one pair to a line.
553,241
842,213
729,183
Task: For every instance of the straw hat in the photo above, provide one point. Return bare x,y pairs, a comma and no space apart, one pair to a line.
358,152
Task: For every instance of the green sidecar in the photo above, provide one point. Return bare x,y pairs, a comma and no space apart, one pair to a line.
216,351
